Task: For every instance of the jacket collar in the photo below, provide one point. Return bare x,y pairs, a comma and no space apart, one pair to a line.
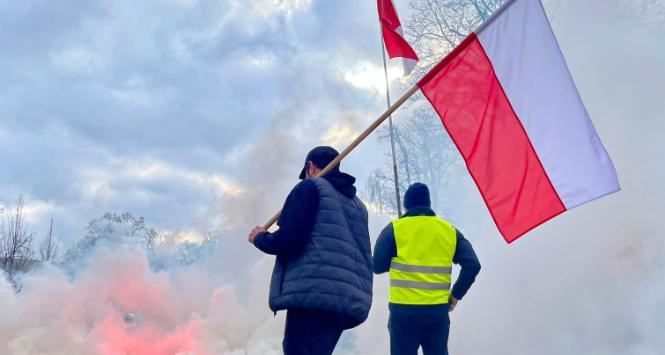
342,182
419,211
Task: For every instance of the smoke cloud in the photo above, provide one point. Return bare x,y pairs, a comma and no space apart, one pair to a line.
588,282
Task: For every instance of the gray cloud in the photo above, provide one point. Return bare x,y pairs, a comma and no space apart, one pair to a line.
93,87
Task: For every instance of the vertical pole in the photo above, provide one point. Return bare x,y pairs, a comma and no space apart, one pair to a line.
390,124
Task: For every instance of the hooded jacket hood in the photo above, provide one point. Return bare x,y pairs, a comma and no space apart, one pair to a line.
342,182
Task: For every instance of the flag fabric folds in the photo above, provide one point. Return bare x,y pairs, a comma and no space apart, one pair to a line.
509,103
393,38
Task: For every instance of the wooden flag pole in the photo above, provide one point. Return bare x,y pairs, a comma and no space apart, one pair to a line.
356,142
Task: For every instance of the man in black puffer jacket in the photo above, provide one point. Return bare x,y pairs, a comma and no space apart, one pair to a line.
323,271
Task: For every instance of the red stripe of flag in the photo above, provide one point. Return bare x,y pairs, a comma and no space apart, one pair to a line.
464,90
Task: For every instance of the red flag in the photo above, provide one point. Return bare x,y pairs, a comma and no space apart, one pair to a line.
393,38
509,103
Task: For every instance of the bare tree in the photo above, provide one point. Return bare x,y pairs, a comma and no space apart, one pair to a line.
48,249
114,229
125,226
16,251
437,26
644,13
425,153
190,252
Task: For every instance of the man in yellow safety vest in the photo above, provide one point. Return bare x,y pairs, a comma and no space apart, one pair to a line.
419,250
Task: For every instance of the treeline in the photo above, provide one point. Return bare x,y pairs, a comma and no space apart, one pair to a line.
21,251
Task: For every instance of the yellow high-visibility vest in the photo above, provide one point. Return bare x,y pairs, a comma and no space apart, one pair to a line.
420,274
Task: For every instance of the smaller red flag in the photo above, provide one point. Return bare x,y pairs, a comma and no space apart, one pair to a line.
393,37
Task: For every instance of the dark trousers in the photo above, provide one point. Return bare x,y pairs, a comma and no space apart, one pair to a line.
310,332
409,332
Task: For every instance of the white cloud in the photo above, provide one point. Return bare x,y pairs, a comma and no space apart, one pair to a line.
36,210
189,237
78,60
186,3
370,76
339,134
262,59
288,8
367,76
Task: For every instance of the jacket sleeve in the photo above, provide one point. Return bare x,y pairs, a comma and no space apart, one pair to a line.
466,257
295,222
384,250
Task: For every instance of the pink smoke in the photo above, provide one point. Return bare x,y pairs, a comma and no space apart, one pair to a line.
117,305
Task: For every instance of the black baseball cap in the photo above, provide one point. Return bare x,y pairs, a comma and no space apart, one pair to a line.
321,156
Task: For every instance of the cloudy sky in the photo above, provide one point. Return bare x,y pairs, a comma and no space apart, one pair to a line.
167,109
197,115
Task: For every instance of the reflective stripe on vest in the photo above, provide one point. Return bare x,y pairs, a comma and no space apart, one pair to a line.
420,274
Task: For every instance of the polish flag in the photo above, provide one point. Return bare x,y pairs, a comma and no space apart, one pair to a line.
393,37
508,101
